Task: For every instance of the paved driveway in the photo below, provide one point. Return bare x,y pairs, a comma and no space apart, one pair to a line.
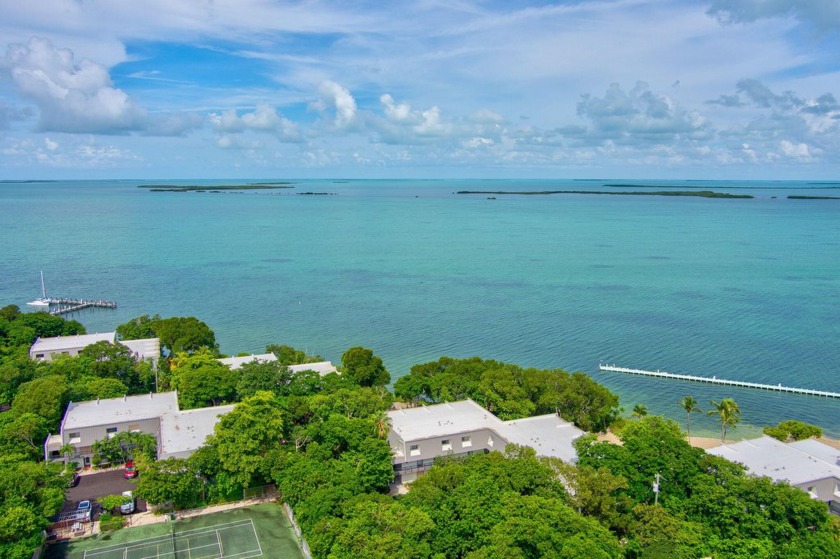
95,486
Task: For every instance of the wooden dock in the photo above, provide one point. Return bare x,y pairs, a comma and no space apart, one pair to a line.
715,380
64,305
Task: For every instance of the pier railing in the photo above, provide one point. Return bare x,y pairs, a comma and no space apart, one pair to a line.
715,380
64,305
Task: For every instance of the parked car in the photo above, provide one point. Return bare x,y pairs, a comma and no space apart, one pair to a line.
130,470
74,479
83,510
128,502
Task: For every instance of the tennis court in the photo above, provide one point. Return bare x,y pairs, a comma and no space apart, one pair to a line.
254,532
222,541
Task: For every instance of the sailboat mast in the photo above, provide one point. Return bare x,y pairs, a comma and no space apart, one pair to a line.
43,288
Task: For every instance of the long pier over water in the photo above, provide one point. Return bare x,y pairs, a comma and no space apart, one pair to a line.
64,306
715,380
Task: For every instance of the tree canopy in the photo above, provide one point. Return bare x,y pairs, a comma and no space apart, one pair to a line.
511,392
364,367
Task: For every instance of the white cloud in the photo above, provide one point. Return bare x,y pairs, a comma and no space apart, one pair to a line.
338,97
638,116
797,151
263,119
823,14
71,97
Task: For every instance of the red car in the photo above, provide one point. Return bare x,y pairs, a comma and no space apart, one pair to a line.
130,470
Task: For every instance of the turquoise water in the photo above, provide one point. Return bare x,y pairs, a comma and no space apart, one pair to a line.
741,289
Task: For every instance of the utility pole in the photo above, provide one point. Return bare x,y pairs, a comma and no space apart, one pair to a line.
656,490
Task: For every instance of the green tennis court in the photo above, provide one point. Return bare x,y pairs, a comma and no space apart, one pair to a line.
261,531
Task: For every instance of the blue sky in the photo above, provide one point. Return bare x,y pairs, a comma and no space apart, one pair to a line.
423,88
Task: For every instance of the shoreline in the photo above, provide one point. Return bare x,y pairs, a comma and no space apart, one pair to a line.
710,442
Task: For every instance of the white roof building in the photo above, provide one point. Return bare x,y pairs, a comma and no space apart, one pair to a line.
44,349
128,409
321,367
178,433
183,433
810,465
419,435
236,362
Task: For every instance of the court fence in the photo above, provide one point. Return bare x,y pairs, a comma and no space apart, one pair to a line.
304,547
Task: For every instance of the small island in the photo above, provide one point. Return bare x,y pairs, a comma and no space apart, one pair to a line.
696,193
216,189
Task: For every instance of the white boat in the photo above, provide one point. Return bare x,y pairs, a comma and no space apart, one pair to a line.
43,301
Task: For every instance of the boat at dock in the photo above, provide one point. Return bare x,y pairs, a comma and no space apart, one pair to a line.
44,300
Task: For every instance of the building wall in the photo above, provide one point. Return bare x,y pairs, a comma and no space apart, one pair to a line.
825,489
89,435
48,355
419,455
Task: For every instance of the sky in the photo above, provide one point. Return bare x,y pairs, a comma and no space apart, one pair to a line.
695,89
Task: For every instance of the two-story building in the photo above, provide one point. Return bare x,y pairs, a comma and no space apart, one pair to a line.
321,367
809,465
419,435
178,433
45,349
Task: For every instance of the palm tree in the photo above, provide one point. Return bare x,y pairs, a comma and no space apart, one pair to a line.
727,413
639,411
690,405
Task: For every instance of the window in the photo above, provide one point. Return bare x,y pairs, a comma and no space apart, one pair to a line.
75,438
466,441
414,450
134,428
54,454
111,432
39,355
446,445
837,490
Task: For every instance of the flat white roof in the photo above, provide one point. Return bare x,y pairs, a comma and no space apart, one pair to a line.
548,435
236,362
427,422
146,349
793,462
70,342
321,367
186,431
119,410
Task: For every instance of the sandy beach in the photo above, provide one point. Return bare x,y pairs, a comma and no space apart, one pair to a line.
709,442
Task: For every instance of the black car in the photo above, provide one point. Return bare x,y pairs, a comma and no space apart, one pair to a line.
74,481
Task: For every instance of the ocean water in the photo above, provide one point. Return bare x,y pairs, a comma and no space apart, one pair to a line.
740,289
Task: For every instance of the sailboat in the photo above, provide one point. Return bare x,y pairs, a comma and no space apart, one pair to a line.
43,301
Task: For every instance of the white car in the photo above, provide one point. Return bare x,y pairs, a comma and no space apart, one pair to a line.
128,502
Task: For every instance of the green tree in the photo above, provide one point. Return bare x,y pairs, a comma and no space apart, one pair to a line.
112,502
690,405
184,334
46,397
46,325
639,411
107,360
24,433
364,367
125,446
94,388
244,436
201,380
374,527
173,480
792,429
727,413
288,355
139,328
